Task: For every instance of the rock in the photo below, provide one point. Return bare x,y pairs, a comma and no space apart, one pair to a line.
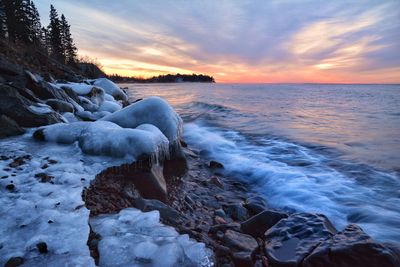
224,227
177,165
42,247
60,105
11,72
43,177
351,247
215,181
10,187
289,241
258,224
167,213
215,165
255,205
14,262
239,242
236,211
242,247
23,111
9,127
220,212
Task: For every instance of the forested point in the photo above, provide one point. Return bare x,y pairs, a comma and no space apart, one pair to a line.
168,78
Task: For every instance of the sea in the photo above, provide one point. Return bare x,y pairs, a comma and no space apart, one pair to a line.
325,148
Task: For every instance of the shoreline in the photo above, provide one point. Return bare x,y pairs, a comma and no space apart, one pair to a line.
156,173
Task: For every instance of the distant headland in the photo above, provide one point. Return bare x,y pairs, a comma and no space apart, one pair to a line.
168,78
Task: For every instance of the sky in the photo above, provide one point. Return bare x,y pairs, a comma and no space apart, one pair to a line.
239,41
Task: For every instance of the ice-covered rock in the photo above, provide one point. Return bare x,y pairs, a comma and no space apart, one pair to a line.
135,238
79,88
87,104
110,88
152,110
110,106
107,138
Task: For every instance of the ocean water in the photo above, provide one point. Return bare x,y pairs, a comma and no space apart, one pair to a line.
333,149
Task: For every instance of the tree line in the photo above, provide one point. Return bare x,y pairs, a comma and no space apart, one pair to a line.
169,78
20,25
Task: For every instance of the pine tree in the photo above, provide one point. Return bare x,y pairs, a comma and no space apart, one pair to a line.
9,9
3,25
54,28
22,23
69,48
35,25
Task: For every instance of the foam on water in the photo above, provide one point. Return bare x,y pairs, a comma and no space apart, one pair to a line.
291,176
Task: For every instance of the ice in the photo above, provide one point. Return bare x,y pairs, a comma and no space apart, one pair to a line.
87,104
39,108
110,88
107,138
69,117
132,238
110,106
108,97
152,110
79,88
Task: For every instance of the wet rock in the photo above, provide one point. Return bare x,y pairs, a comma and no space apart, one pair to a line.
236,211
224,227
60,105
176,166
289,241
9,127
215,181
167,213
255,205
42,247
14,262
258,224
351,247
215,165
239,242
242,247
220,213
23,111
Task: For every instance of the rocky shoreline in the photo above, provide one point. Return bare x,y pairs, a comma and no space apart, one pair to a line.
188,191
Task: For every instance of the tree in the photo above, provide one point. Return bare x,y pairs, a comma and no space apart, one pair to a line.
54,28
3,25
35,25
69,48
9,10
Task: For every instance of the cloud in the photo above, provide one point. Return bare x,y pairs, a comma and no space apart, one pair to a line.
259,41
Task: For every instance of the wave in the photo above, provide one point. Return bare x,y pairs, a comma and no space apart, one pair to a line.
294,177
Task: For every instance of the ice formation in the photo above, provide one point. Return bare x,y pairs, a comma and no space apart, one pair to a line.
107,138
135,238
153,110
110,88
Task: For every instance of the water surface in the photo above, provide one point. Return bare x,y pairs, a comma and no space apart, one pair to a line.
308,147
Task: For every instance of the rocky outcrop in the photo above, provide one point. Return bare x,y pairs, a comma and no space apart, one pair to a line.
23,111
258,224
292,239
9,127
351,247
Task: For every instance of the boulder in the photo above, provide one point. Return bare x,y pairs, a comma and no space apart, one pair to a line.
289,241
23,111
255,205
215,165
258,224
236,211
60,105
9,127
11,73
351,247
242,247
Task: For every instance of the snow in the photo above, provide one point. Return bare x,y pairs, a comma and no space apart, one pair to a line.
135,238
152,110
110,88
54,213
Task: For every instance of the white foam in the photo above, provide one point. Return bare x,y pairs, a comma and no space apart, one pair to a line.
312,186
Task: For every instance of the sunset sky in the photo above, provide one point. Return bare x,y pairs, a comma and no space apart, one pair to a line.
240,41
